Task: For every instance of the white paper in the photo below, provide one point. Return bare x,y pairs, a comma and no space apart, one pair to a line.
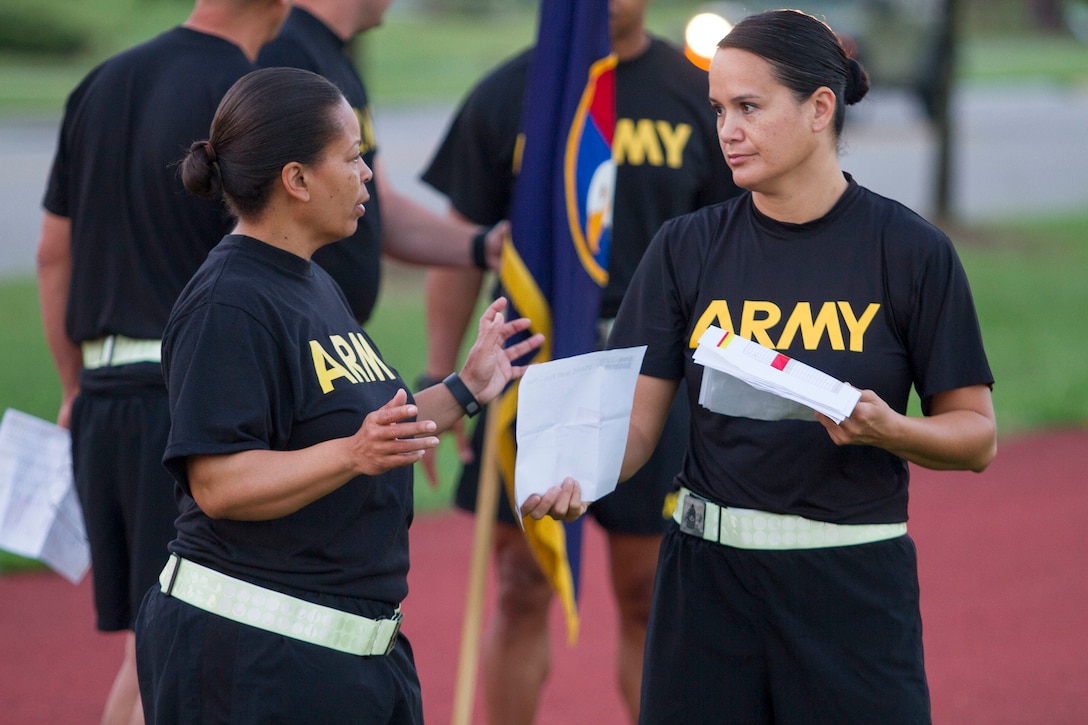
573,416
40,516
766,374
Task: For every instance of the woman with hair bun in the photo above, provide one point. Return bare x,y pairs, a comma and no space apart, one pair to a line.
292,439
787,592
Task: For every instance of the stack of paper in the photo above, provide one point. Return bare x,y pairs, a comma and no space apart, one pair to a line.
768,377
40,516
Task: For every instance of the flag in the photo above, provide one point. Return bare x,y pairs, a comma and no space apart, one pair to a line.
556,263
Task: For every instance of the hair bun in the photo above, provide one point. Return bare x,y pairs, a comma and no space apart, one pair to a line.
857,84
200,172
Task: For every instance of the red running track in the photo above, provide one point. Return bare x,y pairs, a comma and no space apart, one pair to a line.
1003,560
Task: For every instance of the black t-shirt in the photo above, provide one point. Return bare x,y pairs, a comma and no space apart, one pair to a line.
262,352
137,235
355,263
668,161
871,294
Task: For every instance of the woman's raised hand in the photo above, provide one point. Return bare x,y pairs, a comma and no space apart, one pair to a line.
488,365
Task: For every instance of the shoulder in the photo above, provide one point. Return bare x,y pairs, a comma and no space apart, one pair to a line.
662,81
664,60
895,221
914,250
506,81
298,43
494,103
707,217
691,235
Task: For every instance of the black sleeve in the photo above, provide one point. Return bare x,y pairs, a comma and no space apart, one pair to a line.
474,164
945,339
657,309
227,391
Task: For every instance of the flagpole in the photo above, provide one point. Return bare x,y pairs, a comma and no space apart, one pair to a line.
487,502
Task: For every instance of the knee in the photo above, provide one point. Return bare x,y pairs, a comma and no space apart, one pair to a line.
634,595
523,592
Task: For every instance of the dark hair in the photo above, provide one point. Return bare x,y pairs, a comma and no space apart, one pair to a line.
267,119
804,54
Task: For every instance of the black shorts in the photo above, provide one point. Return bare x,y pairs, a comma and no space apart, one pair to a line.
805,636
637,504
126,493
198,667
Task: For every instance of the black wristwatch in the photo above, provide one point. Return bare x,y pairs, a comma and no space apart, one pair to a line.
479,248
462,394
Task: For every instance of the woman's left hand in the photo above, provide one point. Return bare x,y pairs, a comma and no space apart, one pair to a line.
560,502
867,425
958,432
488,366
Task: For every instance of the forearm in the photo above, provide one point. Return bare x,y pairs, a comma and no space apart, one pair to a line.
451,296
957,440
438,404
259,485
653,398
960,433
413,234
54,266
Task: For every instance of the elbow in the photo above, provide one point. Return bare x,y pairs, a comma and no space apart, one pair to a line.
211,507
47,259
985,457
987,450
208,497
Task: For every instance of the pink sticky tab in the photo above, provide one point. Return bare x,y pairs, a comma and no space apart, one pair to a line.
780,362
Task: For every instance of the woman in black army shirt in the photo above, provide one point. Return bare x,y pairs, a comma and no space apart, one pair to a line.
788,589
292,439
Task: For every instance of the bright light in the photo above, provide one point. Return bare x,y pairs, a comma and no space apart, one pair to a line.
702,35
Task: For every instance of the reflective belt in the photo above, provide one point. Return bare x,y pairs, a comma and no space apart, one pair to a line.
278,613
750,529
119,350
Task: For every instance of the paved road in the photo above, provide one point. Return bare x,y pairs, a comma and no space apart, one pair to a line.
1020,150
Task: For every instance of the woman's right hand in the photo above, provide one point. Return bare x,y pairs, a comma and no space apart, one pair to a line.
387,439
560,502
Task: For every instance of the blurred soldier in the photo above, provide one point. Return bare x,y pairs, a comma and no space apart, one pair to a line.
668,163
120,238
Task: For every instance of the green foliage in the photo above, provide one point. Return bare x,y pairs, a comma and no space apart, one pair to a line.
1028,283
413,58
28,380
40,30
993,60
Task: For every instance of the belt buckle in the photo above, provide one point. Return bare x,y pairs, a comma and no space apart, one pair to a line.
396,619
692,515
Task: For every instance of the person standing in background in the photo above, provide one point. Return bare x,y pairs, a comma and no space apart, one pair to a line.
668,163
120,238
317,37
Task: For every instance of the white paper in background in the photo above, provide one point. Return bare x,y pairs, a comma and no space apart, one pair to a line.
40,516
573,416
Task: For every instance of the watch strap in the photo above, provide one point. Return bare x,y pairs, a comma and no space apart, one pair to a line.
462,394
